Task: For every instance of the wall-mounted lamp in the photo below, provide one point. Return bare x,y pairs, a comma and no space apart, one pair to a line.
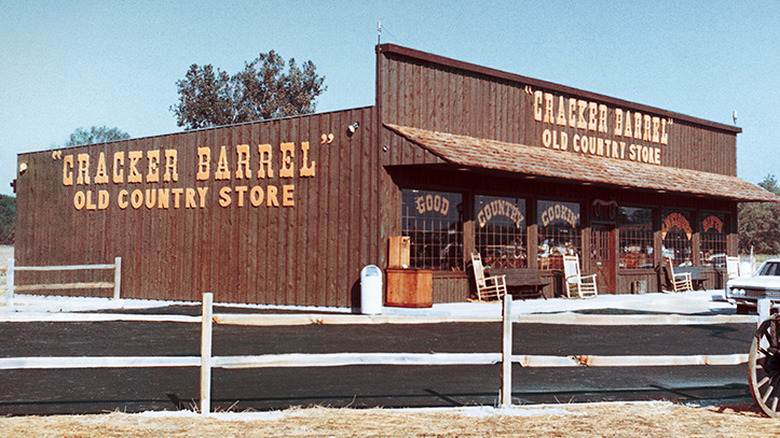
352,128
22,168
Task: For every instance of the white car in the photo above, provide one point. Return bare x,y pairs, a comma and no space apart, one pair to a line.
746,291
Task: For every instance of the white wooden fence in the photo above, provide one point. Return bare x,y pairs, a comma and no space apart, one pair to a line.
207,362
11,289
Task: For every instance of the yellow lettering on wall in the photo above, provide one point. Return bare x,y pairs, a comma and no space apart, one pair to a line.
638,125
581,107
656,129
177,192
287,195
224,197
242,161
223,170
646,135
204,164
164,198
538,96
240,193
618,122
83,172
288,153
560,120
202,193
101,175
628,132
171,165
307,168
272,200
153,166
121,200
189,198
572,113
602,118
548,108
67,170
133,176
256,196
118,172
593,111
265,160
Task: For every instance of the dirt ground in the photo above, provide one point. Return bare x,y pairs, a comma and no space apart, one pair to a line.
648,420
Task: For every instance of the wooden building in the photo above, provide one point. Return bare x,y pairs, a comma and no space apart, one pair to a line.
457,157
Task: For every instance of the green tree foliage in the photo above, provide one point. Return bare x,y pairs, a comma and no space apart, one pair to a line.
95,134
759,222
7,219
264,89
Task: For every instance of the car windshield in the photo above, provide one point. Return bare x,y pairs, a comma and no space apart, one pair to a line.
771,268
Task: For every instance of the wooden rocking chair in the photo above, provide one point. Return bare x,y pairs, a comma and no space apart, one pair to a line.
680,282
583,285
488,288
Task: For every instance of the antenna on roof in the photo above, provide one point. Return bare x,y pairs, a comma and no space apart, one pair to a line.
378,32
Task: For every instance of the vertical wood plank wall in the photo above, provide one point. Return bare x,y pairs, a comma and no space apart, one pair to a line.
434,93
309,254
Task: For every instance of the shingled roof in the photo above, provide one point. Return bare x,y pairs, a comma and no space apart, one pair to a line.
541,162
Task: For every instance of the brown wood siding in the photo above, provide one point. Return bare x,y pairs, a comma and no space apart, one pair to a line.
429,92
309,254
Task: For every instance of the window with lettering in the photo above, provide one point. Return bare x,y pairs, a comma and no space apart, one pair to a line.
434,223
559,232
677,234
636,237
501,231
713,239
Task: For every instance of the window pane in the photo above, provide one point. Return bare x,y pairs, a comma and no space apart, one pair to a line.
501,231
636,237
713,239
677,232
559,232
434,223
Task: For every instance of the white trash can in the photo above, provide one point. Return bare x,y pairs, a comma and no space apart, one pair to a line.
371,290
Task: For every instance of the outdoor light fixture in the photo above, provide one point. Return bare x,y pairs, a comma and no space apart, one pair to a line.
352,128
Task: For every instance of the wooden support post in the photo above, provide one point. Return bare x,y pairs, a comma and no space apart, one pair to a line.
506,354
205,353
9,284
117,276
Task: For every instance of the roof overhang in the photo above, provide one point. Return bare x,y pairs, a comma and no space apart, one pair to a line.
537,161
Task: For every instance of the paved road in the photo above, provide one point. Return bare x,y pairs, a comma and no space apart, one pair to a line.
89,391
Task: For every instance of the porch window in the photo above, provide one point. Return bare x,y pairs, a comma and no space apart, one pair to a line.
560,232
635,227
677,233
434,223
501,231
714,231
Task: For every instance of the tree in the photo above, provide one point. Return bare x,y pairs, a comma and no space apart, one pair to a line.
7,218
759,222
262,90
94,135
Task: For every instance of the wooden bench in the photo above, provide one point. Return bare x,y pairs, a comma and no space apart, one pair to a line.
522,282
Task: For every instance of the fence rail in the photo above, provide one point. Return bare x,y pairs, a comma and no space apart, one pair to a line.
11,288
506,358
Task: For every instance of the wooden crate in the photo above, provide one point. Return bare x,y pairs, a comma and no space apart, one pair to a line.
409,287
398,254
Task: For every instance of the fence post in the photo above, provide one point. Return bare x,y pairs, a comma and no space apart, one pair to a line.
764,309
506,353
117,276
9,284
205,353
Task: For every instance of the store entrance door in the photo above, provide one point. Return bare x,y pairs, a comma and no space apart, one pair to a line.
604,256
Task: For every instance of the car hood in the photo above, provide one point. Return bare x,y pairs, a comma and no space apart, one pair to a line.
761,281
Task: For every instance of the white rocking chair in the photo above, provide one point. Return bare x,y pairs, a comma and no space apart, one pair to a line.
583,285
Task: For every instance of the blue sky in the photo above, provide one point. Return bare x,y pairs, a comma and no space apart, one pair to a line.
70,64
